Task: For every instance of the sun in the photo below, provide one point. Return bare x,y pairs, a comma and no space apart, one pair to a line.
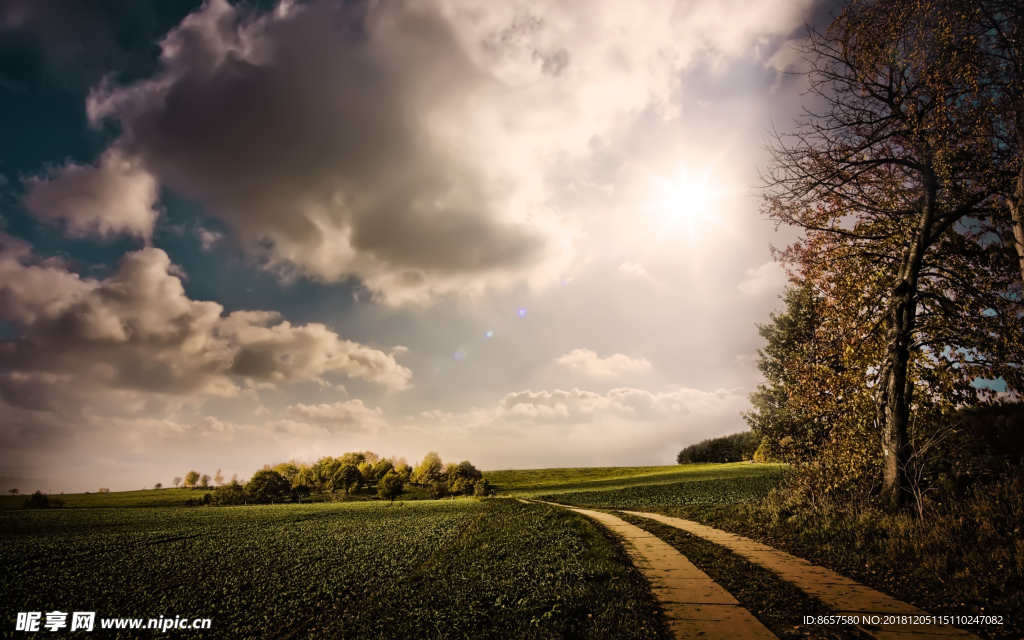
688,198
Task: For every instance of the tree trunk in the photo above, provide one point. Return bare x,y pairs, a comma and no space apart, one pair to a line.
891,399
1017,216
892,396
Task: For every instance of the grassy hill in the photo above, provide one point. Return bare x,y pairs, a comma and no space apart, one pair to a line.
527,483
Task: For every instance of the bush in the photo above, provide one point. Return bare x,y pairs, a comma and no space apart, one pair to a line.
39,500
200,502
230,494
482,487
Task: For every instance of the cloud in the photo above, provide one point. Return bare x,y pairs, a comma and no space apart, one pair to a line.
589,363
634,270
579,406
208,239
342,416
761,281
137,330
410,144
317,147
117,196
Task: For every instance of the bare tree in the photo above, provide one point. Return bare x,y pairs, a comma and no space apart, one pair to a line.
176,481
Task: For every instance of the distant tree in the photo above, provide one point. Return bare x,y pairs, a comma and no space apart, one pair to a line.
267,485
390,486
306,477
428,471
370,457
355,458
191,478
103,490
218,478
13,492
381,467
323,472
204,480
732,448
369,477
464,469
288,470
347,478
158,486
404,471
176,481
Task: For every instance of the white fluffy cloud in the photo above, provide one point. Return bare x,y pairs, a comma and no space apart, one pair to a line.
768,279
340,416
136,329
579,406
589,363
634,270
116,196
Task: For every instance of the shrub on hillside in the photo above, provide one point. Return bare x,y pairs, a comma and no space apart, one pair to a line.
230,494
39,500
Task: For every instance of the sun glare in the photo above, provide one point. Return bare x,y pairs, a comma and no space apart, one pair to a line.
687,199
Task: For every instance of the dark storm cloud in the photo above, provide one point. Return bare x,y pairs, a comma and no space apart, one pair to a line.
312,132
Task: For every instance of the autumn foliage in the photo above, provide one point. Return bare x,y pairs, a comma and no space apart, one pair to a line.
906,285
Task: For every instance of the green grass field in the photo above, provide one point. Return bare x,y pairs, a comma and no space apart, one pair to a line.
352,570
465,568
172,498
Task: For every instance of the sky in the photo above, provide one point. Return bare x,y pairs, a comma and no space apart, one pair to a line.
525,233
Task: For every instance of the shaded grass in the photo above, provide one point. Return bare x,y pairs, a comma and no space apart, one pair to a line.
779,605
966,558
521,571
144,498
724,490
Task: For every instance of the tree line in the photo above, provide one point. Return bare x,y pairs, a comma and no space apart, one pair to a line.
904,308
736,447
348,475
